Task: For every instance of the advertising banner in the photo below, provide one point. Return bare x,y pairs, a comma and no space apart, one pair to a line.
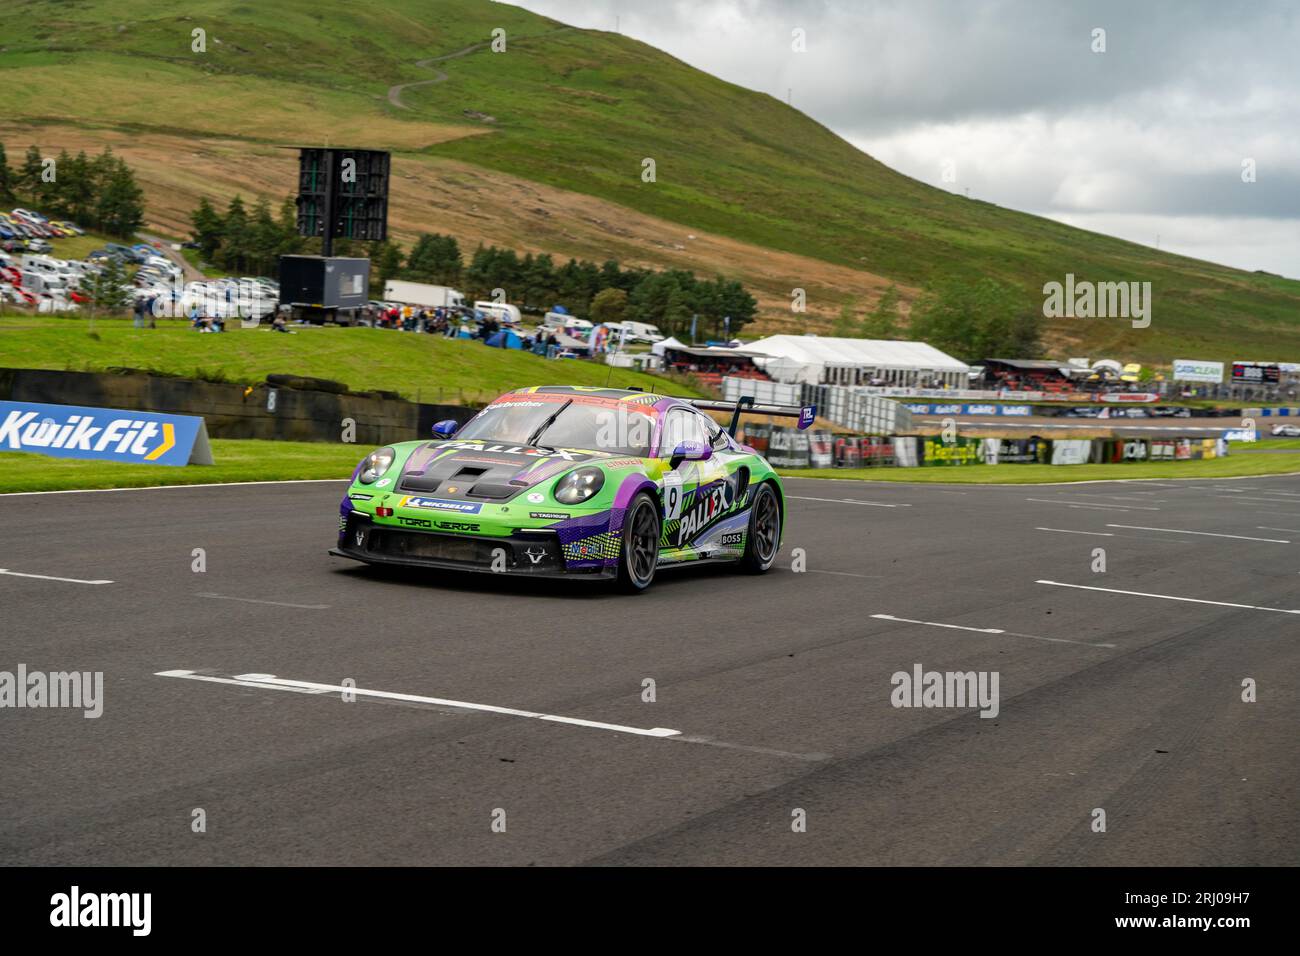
1071,451
960,451
1190,370
1255,373
107,434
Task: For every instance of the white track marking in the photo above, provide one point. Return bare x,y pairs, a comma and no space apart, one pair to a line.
989,630
271,682
849,501
1097,534
211,484
1170,597
955,627
1204,534
1264,527
227,597
1091,504
845,574
49,577
1271,501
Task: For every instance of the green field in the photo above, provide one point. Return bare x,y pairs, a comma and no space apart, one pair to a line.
427,368
236,460
581,110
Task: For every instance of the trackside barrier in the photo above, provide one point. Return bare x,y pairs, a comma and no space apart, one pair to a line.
843,405
790,448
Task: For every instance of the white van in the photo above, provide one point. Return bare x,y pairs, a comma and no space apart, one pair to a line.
501,311
642,331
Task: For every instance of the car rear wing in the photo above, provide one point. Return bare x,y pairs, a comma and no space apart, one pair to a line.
746,405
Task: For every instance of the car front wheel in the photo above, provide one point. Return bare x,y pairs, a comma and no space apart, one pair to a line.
639,555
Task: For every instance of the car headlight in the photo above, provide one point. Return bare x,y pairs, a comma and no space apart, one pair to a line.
579,485
375,464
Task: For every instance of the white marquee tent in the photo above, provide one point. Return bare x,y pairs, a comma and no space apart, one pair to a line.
824,360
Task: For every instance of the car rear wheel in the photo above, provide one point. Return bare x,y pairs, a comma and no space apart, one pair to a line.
764,535
639,555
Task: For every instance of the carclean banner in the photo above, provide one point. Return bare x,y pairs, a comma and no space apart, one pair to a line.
110,434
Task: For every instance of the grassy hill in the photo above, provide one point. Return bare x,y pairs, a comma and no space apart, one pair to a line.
560,123
427,368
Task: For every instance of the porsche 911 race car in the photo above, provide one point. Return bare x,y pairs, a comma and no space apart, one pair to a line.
1286,431
567,481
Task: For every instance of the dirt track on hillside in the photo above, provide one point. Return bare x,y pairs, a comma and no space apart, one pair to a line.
475,205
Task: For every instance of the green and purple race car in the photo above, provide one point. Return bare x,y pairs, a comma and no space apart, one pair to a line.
567,481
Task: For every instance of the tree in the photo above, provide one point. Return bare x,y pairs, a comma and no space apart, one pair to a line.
208,229
120,210
80,190
29,177
846,324
609,305
235,238
387,259
108,289
7,177
883,320
977,320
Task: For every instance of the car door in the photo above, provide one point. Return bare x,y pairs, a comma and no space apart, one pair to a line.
697,494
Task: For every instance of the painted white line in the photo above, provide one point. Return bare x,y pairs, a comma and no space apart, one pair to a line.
211,484
955,627
271,682
1091,504
845,574
49,577
1264,527
989,630
1095,507
849,501
1271,501
1204,534
1170,597
1098,534
227,597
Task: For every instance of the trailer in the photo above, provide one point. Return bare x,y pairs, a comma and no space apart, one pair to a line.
423,294
324,289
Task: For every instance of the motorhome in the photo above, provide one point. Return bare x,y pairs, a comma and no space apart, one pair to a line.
501,311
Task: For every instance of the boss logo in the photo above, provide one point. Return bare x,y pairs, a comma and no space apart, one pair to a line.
732,538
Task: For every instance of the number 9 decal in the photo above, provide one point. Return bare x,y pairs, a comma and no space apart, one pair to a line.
672,496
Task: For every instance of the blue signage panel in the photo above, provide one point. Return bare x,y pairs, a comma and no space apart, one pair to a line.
108,434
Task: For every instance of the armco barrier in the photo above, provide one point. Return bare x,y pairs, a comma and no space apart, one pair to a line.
233,411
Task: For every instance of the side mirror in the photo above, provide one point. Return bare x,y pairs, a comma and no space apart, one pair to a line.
445,428
690,451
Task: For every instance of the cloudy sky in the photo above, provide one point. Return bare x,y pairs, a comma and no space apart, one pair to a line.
1145,140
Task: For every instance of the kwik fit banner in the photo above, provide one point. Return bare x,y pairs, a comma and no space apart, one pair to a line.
110,434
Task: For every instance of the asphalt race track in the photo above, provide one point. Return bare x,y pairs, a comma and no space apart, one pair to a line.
779,687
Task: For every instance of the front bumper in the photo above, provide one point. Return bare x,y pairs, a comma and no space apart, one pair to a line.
535,553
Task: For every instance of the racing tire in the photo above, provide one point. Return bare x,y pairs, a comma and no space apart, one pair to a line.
764,536
638,555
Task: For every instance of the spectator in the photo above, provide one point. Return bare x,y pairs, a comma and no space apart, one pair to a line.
138,321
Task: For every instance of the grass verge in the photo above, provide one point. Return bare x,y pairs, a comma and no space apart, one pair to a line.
249,460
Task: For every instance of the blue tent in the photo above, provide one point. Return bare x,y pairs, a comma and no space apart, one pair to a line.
505,339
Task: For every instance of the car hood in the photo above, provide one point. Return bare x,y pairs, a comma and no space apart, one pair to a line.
484,470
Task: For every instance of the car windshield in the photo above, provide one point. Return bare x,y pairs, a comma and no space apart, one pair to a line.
593,426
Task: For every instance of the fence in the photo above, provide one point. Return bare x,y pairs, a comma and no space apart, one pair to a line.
842,405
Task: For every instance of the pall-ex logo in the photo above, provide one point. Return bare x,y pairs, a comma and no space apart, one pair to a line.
705,511
129,436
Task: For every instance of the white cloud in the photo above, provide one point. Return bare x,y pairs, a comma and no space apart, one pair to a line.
1152,131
